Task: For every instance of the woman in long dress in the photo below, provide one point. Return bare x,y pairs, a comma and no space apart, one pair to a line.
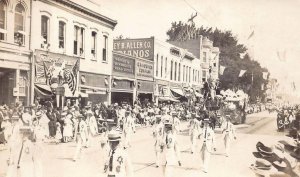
68,128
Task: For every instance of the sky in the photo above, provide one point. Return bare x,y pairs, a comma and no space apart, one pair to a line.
275,24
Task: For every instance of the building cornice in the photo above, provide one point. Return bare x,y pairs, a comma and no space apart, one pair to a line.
110,22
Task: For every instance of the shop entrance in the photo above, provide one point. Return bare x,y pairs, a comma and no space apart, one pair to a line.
7,80
120,97
145,98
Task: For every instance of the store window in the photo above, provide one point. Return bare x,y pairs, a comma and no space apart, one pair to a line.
61,35
19,28
3,10
104,50
93,45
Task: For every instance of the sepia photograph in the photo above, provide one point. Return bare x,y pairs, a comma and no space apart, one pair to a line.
149,88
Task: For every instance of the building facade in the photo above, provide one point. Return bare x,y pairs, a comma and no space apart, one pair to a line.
15,55
177,72
203,49
133,64
74,42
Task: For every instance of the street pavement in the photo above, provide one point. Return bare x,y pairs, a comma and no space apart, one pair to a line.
57,159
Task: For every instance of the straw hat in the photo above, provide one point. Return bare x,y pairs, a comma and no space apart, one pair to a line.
114,136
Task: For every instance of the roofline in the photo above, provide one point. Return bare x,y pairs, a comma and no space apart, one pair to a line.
87,11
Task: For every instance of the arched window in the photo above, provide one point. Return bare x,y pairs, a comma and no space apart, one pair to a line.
45,29
3,7
61,34
19,31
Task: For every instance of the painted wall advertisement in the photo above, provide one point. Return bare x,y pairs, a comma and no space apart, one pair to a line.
123,65
144,70
143,48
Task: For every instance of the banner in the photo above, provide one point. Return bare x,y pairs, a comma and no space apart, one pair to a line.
222,69
56,69
242,72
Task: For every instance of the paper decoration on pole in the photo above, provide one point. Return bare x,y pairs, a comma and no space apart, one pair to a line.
222,69
293,86
242,72
262,86
265,75
281,55
251,35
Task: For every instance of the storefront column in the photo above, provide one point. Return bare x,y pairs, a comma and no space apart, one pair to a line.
134,95
17,84
109,91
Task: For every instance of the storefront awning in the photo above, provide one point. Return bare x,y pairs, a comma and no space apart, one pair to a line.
177,91
124,78
41,90
167,99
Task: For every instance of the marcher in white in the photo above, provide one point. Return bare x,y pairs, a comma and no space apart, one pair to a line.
92,128
27,117
158,134
207,144
23,157
172,156
228,132
118,163
81,136
128,128
194,131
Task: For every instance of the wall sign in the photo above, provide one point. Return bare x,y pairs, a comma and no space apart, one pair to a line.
123,65
143,48
144,70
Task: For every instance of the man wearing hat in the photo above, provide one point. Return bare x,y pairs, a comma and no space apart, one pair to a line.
158,134
92,127
228,132
194,130
207,144
171,149
128,128
118,163
81,136
26,117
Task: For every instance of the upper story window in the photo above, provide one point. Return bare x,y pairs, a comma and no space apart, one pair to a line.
179,71
183,72
156,72
93,44
44,30
166,67
104,50
171,73
203,76
3,11
61,35
161,66
78,41
175,73
204,57
19,29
